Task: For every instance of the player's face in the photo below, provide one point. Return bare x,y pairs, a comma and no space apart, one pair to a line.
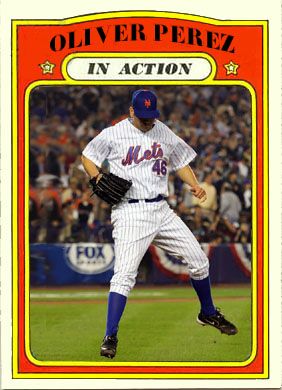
143,124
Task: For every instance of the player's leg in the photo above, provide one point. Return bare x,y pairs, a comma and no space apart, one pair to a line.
176,238
132,239
128,255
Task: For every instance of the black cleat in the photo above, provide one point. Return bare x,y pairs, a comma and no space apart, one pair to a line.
109,347
218,321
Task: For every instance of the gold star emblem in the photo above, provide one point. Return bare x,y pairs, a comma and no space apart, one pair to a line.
47,67
231,68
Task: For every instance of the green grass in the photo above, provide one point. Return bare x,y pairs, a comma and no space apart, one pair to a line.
157,325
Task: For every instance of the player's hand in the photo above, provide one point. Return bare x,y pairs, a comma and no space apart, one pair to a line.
99,177
199,193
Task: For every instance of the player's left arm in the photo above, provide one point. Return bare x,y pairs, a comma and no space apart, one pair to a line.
187,175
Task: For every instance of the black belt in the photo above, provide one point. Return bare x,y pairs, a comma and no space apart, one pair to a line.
157,199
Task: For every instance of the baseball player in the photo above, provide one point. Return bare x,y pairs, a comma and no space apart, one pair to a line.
140,151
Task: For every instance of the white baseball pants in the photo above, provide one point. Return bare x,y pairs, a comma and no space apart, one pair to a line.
136,226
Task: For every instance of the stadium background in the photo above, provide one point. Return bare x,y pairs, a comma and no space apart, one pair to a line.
71,235
215,121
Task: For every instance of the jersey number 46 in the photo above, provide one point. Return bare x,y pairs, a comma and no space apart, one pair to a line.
160,167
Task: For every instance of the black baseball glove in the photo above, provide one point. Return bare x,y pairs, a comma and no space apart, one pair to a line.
109,187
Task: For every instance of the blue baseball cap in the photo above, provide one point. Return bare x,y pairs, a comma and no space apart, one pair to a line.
144,103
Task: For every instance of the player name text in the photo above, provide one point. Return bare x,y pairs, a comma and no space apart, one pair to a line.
94,36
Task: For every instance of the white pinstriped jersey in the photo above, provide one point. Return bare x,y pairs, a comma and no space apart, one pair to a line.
144,158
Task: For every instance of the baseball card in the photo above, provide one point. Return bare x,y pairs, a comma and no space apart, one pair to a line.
140,195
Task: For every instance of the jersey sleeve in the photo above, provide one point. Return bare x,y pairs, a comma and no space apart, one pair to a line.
181,155
98,149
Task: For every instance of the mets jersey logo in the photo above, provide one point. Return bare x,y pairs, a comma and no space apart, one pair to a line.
133,154
147,103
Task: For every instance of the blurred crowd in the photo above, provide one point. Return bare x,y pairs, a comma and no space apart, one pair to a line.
215,121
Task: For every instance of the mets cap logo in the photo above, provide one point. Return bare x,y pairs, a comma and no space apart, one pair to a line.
147,103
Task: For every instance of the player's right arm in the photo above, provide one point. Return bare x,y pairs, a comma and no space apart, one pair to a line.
89,166
95,152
